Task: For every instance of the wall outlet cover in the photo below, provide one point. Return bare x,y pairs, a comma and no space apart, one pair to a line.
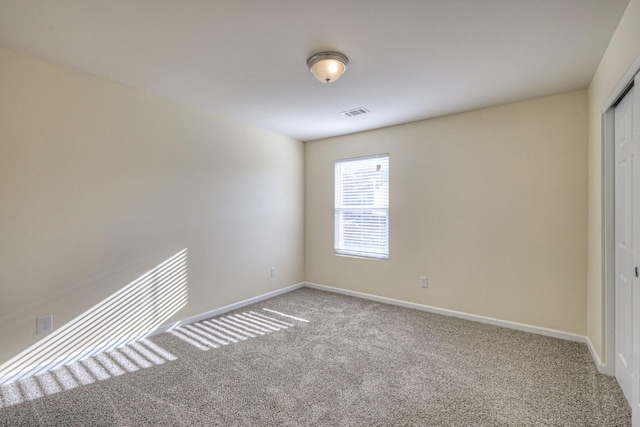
45,324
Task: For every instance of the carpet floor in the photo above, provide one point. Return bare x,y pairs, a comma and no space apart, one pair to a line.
313,358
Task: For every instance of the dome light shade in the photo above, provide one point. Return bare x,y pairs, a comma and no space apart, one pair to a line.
327,67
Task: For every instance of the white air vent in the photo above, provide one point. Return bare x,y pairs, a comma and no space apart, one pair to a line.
355,112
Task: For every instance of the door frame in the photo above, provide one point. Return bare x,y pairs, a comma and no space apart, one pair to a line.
608,212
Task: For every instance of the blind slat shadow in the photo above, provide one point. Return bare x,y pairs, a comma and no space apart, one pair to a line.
128,315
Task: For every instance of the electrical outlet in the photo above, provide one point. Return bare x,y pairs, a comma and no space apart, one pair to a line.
45,324
424,282
273,272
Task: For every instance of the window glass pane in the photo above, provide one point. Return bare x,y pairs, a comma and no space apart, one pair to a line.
362,206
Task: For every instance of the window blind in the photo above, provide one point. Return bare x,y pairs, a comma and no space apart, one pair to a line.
362,206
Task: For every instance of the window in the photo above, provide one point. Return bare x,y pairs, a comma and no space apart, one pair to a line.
362,206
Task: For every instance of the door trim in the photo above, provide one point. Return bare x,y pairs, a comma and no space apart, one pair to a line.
621,88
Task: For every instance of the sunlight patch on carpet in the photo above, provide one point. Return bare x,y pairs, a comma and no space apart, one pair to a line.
231,329
129,358
286,315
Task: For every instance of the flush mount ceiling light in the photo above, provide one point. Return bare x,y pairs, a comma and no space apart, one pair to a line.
327,67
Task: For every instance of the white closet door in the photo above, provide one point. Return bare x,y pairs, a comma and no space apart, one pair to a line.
626,232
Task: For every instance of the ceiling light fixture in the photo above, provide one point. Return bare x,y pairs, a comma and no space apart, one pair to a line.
327,67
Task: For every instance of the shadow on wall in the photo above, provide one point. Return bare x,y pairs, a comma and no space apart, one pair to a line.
129,315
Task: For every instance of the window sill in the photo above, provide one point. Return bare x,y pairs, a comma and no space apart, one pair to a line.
361,257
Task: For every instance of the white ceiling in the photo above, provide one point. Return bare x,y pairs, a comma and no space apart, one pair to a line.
246,59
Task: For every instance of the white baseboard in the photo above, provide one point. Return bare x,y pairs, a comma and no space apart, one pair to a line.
554,333
225,309
603,368
218,311
473,317
11,375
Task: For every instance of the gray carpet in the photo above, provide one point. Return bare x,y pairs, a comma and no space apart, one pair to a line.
352,363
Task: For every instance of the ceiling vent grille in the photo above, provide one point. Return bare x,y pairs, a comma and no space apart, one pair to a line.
355,112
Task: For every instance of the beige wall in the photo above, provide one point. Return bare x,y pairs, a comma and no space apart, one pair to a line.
490,205
622,50
100,183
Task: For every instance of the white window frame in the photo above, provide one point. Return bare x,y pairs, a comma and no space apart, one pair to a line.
361,215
